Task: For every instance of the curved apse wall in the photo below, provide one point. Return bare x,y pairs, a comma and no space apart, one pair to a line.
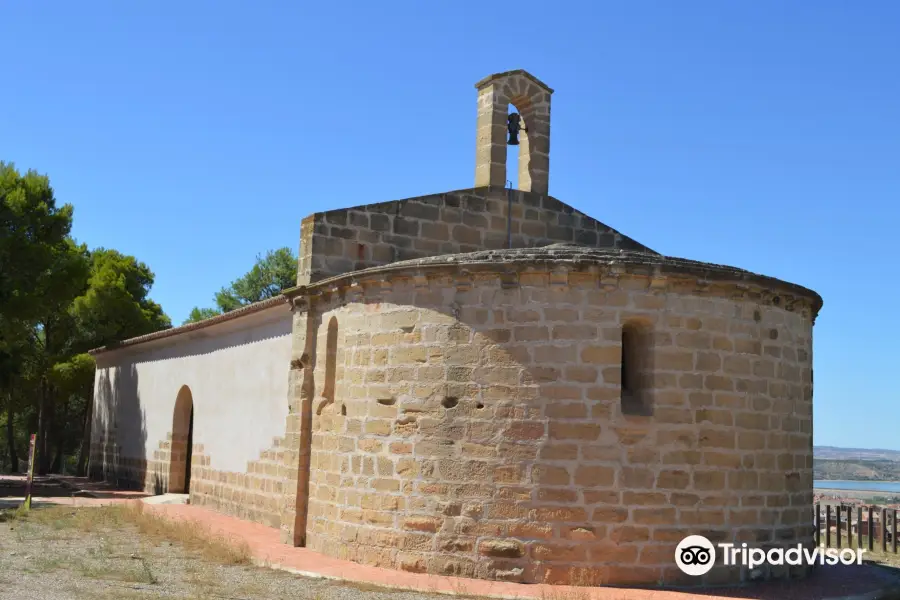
479,428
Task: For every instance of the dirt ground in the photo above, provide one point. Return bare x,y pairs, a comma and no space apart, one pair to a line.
112,553
126,551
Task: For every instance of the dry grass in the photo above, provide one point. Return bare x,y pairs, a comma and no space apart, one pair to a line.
112,563
132,551
566,595
136,572
190,534
888,558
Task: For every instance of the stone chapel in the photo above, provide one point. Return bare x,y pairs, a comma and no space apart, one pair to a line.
486,383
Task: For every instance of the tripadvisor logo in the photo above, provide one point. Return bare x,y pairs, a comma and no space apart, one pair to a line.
695,555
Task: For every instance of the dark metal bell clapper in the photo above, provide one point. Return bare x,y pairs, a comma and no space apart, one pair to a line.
513,124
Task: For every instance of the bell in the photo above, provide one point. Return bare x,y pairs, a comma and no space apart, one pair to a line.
514,126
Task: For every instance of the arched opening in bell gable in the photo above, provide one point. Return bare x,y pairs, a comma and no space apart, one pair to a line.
518,152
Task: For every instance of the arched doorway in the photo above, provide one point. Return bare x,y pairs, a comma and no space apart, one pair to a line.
182,443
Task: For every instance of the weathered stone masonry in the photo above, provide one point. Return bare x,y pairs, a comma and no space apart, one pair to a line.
341,241
477,430
255,495
492,384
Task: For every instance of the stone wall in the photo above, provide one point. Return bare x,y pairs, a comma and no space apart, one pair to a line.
476,425
107,463
345,240
255,494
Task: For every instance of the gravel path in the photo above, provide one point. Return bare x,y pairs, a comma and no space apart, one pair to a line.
55,561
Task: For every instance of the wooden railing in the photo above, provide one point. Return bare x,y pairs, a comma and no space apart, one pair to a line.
836,527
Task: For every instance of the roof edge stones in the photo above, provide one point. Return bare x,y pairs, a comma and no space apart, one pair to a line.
173,331
522,72
604,265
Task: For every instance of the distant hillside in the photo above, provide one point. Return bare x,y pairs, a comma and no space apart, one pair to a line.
835,453
855,464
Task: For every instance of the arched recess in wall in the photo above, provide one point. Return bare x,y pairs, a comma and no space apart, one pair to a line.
328,387
182,442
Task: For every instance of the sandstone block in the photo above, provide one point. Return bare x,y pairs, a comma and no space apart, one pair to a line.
601,355
429,524
501,548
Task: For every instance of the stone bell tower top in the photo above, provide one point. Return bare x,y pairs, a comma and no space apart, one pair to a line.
531,98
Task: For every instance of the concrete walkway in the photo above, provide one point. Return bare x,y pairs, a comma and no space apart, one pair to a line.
267,550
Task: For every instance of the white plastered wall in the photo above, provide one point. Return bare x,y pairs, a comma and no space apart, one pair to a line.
237,372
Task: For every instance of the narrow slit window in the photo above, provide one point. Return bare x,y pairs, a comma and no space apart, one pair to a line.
331,342
331,351
636,369
628,375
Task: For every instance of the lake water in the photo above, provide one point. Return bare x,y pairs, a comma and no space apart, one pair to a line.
867,486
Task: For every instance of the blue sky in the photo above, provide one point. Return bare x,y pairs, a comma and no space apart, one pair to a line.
764,135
